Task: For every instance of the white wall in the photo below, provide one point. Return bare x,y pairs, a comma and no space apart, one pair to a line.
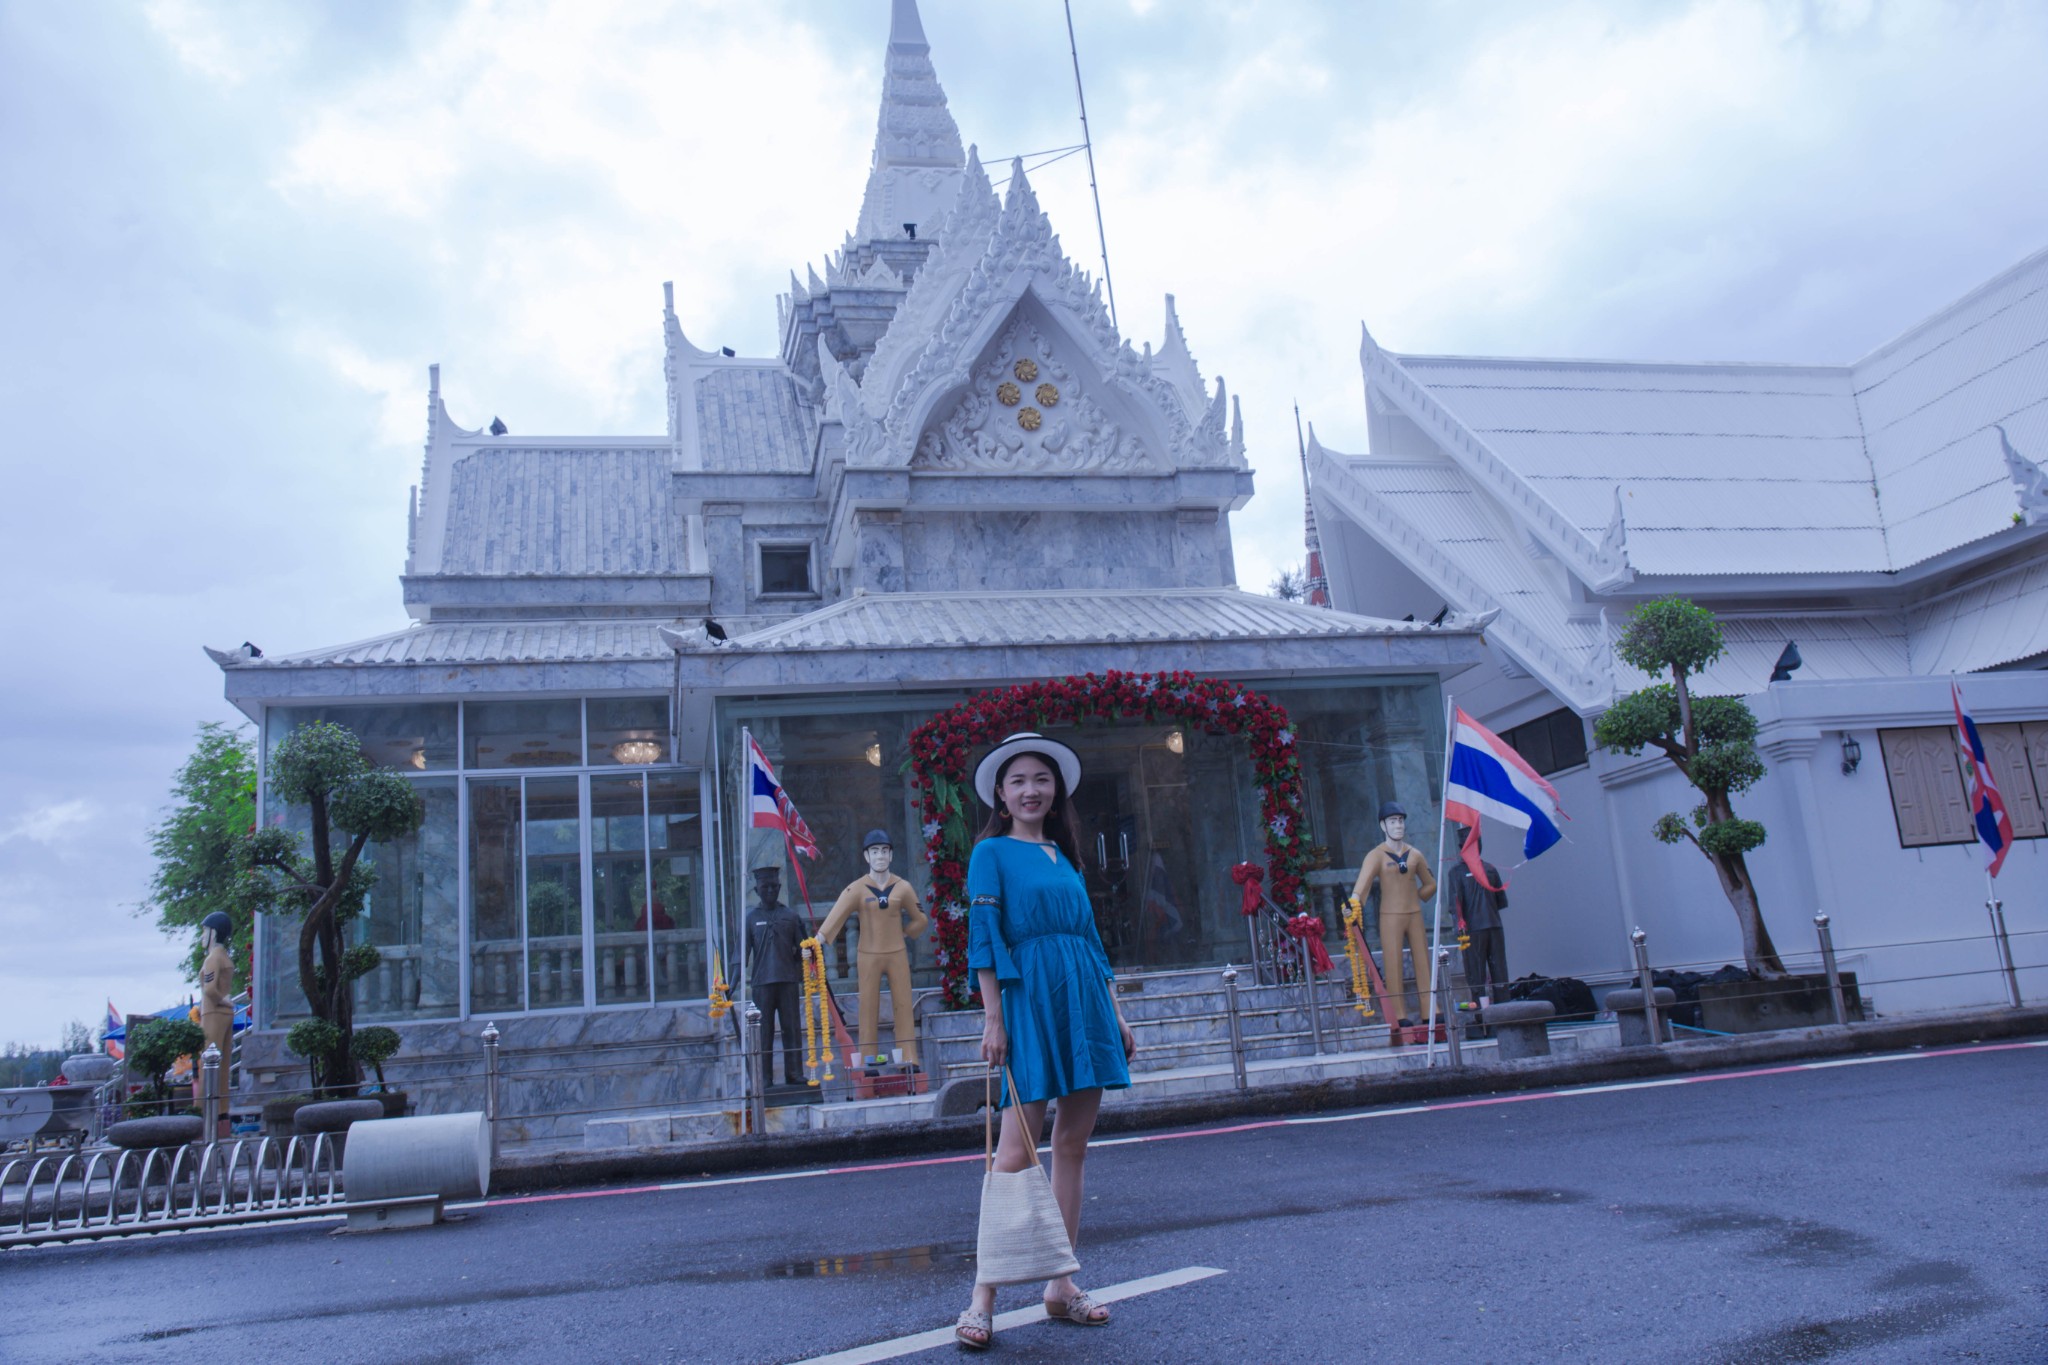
1832,844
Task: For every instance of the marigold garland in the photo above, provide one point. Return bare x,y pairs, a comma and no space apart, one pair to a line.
942,748
1354,950
721,993
817,1029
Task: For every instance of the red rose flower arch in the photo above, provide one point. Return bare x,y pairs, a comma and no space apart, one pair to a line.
942,750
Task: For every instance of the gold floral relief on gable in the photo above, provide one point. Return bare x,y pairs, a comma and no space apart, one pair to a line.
1026,369
1008,394
1029,418
1048,395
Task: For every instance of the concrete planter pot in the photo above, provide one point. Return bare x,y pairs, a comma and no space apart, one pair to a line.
278,1114
1763,1006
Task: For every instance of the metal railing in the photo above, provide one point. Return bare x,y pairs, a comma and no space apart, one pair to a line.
113,1192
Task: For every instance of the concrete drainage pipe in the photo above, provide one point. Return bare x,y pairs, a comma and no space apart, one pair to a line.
407,1167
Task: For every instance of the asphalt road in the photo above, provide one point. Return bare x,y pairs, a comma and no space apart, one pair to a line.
1878,1210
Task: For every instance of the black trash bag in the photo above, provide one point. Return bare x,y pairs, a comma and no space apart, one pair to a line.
1685,988
1569,996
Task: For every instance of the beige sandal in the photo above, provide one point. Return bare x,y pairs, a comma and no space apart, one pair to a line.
1078,1309
974,1320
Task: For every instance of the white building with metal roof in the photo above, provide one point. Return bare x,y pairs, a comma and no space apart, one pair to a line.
1889,516
954,474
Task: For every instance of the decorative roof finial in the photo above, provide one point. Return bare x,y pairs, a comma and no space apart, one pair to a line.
905,28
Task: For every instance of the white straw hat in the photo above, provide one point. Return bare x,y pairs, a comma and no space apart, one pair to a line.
1025,742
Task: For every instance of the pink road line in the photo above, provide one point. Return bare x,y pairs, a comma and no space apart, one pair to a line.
1262,1124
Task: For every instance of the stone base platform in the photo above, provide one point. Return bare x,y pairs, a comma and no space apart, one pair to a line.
1566,1041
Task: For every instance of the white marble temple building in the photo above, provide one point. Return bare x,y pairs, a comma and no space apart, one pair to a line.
1869,512
953,474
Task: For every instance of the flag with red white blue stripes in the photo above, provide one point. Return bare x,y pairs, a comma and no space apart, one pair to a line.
772,808
1487,777
1987,806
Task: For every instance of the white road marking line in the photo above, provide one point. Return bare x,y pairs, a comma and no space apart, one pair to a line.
1020,1317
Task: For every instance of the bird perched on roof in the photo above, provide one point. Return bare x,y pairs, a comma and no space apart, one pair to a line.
227,657
715,631
498,427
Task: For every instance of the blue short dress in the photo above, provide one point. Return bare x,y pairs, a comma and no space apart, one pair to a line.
1031,924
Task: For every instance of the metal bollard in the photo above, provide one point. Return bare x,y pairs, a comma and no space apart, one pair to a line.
1236,1025
1315,1006
757,1084
1641,941
1452,1028
209,1093
1827,958
490,1036
2012,976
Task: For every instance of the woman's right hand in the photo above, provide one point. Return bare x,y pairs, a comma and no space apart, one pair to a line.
995,1043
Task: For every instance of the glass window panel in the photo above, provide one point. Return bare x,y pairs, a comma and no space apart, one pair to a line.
411,917
676,833
842,764
632,731
497,957
553,838
1532,742
279,997
785,569
618,878
522,734
1567,741
417,738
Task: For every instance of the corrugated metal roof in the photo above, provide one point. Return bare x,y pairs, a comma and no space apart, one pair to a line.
1743,469
1831,648
513,642
1987,624
952,620
530,510
750,421
1447,511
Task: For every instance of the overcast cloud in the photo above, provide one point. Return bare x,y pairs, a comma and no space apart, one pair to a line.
233,236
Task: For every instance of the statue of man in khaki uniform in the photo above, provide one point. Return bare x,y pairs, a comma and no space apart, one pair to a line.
884,903
216,1001
1405,882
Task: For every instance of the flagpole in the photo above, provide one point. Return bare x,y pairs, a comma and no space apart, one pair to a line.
742,824
1442,824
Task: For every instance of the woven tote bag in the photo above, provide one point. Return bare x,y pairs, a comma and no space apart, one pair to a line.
1022,1237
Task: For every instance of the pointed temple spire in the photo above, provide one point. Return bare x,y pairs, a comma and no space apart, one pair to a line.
1317,588
914,137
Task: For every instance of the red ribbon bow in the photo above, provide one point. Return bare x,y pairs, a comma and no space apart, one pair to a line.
1248,876
1309,930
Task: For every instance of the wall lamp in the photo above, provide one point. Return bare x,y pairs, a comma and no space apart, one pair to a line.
1852,753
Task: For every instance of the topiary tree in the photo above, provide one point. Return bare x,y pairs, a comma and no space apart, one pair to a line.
374,1047
155,1045
321,767
1711,740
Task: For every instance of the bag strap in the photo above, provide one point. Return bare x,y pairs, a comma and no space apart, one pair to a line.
988,1118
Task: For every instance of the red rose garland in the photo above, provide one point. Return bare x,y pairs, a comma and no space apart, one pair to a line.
942,747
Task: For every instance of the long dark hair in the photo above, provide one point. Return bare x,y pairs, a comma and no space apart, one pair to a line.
1058,827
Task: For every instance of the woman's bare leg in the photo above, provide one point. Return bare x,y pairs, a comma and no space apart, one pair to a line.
1013,1153
1073,1125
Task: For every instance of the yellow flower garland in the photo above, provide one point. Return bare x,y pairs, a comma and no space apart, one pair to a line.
721,994
817,1032
1354,949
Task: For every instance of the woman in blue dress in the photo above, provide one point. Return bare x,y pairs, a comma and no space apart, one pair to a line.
1048,1006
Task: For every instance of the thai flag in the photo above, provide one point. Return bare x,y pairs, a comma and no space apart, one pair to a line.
1987,807
1487,777
117,1029
772,807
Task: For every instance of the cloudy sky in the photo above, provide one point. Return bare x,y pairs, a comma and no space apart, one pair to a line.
233,236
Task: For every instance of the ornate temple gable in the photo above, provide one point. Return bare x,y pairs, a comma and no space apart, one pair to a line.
947,327
1026,411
